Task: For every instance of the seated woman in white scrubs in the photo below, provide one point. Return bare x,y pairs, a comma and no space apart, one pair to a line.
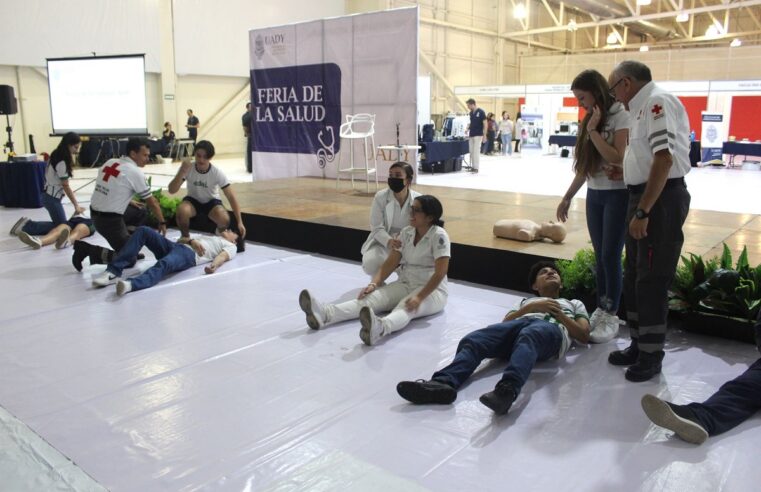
389,215
423,260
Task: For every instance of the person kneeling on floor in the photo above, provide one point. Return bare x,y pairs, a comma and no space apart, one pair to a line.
537,329
422,256
734,403
171,257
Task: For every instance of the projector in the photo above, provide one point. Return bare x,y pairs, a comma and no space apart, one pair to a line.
24,157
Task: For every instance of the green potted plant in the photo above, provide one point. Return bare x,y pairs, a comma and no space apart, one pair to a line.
579,281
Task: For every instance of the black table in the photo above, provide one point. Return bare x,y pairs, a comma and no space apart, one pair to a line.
563,140
97,150
21,184
741,148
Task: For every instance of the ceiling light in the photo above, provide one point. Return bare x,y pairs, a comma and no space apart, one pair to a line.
683,17
712,32
735,43
644,47
572,25
643,2
520,11
612,38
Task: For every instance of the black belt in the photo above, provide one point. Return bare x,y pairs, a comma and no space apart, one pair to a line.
670,183
95,213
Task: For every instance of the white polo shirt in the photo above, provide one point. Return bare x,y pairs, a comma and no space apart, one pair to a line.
213,246
617,119
205,187
573,308
658,122
55,174
418,261
117,182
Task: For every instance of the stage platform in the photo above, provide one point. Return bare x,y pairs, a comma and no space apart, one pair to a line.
312,215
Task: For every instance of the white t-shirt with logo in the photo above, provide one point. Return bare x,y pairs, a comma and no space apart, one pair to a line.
659,122
205,186
117,182
418,261
617,119
54,175
572,308
213,246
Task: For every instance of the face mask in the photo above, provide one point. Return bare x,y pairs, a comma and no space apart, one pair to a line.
396,184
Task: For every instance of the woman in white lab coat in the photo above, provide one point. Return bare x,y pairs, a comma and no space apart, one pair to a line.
422,256
389,215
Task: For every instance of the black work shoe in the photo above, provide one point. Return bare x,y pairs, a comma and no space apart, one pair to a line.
501,399
625,357
647,366
80,253
677,418
422,392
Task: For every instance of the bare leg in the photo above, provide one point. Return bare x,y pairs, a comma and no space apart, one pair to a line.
80,231
221,217
51,236
185,212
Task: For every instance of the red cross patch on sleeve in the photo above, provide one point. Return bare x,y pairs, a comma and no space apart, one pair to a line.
657,111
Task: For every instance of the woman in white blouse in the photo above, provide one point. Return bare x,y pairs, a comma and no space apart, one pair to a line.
422,257
389,215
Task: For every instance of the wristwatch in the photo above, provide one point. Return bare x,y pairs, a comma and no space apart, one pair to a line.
641,214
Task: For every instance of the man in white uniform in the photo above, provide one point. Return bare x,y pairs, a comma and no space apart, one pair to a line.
171,257
117,182
655,163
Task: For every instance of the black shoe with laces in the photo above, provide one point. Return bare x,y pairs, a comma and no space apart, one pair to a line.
647,366
422,392
501,399
625,357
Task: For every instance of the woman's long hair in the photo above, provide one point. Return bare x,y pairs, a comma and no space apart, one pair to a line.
587,157
62,152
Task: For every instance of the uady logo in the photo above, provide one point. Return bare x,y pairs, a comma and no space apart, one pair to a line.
259,46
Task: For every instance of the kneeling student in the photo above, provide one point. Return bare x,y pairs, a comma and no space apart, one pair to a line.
171,257
537,329
420,291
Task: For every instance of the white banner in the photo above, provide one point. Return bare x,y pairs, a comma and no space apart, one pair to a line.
712,137
305,79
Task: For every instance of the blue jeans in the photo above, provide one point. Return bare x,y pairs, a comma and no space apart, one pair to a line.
523,341
172,257
606,221
507,143
735,402
57,217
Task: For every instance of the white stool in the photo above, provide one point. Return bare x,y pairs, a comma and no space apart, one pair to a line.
358,126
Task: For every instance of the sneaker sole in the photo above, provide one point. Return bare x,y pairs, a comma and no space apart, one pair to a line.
121,289
413,393
661,414
305,302
27,239
365,318
63,238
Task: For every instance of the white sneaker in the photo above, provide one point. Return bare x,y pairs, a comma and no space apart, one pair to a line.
19,225
606,328
63,239
372,327
32,241
122,287
595,318
104,279
313,309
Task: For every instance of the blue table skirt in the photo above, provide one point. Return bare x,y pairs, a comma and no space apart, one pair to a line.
742,148
441,151
563,140
21,184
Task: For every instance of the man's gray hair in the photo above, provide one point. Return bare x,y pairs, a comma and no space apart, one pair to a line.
634,70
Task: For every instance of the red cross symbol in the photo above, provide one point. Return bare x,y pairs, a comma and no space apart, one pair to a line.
656,110
111,171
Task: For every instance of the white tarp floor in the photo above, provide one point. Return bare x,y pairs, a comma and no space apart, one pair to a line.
216,383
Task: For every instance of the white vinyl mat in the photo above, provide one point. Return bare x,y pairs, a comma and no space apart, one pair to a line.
216,383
